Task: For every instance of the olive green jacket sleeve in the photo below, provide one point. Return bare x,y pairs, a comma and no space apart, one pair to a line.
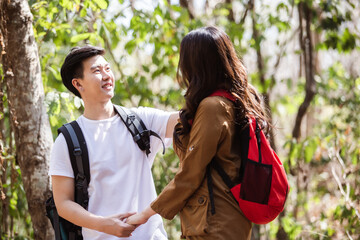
210,123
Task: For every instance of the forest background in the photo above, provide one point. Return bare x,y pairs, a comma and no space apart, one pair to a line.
302,55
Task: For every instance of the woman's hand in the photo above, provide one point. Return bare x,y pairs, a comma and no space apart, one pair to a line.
140,218
137,219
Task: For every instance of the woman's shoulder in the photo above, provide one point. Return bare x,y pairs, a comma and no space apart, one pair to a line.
215,103
215,108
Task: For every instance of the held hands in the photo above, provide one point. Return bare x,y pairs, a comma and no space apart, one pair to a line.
116,225
137,219
122,225
141,218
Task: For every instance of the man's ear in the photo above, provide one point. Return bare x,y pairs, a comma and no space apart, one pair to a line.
77,84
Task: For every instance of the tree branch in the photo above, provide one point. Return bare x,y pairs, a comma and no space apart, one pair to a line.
249,5
188,4
231,12
346,193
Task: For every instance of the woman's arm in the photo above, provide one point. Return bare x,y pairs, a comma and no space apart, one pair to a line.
212,118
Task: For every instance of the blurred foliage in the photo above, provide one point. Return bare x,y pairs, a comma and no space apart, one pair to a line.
143,48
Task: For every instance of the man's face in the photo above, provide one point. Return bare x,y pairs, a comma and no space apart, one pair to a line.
97,83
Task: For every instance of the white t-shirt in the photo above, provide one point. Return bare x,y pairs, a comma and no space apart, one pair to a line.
121,179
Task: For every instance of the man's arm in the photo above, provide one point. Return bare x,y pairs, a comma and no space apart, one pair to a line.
173,119
63,191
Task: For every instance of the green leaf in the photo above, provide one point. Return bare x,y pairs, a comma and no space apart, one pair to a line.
55,73
53,120
146,68
309,150
83,12
67,4
130,45
38,5
101,3
79,37
294,152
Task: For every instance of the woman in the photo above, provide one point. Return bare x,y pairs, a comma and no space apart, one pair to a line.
208,124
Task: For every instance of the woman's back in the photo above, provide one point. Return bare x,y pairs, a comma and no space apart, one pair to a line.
212,136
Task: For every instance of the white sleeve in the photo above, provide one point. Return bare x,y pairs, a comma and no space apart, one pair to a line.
60,163
155,120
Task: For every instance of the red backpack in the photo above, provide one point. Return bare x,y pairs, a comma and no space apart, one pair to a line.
263,187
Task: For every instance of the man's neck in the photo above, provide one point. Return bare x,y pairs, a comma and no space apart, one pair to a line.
99,111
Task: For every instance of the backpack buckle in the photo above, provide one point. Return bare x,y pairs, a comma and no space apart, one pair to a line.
80,178
137,137
146,133
77,151
130,118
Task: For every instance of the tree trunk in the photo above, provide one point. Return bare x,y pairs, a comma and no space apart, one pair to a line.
28,116
307,49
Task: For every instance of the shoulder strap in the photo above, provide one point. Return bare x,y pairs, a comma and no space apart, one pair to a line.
258,139
52,214
214,164
244,139
137,128
57,226
79,160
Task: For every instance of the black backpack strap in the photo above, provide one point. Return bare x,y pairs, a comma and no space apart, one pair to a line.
72,236
258,139
56,219
210,188
222,174
137,128
79,160
244,137
214,164
152,133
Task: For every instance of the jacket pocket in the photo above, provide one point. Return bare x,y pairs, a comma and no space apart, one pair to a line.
194,216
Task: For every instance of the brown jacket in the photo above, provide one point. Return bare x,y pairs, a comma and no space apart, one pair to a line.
211,135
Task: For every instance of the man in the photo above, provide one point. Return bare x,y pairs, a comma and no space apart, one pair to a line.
121,181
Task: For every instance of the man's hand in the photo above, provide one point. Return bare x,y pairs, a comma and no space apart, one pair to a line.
115,225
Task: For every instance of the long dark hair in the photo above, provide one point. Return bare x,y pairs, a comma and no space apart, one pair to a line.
208,62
